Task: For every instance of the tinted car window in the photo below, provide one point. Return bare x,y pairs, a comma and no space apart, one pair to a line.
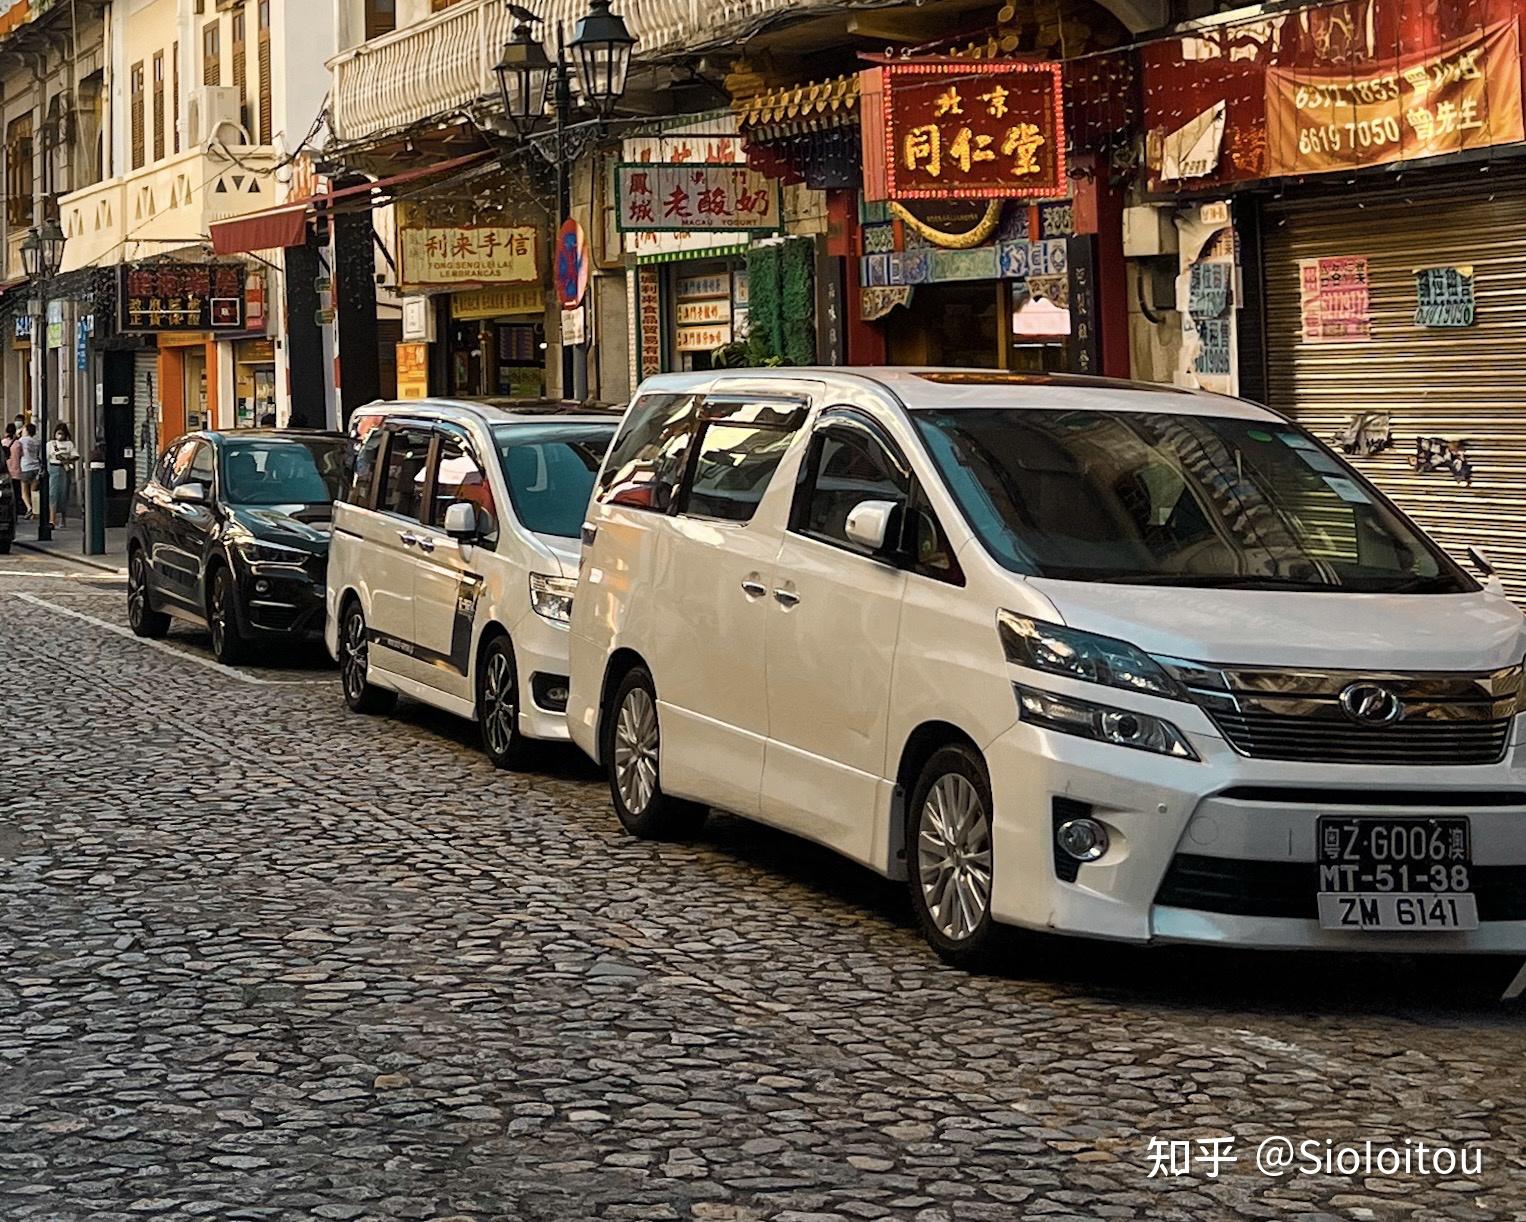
647,459
193,465
459,477
365,468
844,469
283,471
732,469
164,469
402,490
550,472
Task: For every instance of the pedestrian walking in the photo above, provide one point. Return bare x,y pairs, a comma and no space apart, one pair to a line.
31,466
62,459
13,465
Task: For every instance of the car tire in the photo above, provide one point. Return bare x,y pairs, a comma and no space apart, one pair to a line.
949,864
5,547
141,617
631,751
228,644
498,705
361,695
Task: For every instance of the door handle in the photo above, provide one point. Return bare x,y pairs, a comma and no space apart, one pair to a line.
407,538
786,598
754,589
425,543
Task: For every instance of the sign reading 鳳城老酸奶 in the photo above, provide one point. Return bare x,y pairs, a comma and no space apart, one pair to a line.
180,297
1335,300
432,256
1444,297
963,129
1466,95
683,196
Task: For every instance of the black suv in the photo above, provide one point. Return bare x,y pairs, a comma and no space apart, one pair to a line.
232,532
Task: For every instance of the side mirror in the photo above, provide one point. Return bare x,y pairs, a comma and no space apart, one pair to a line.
190,494
461,521
1481,561
868,524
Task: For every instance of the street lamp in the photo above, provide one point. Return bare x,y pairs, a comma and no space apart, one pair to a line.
42,250
601,52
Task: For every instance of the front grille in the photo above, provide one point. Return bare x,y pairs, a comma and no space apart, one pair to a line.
1290,889
1310,716
1273,737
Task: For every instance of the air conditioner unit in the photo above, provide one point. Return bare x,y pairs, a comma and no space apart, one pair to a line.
213,112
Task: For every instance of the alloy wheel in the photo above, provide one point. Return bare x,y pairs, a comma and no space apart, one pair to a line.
137,590
636,750
500,713
355,652
219,616
954,856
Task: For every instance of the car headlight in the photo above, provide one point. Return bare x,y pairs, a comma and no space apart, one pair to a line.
1101,723
551,597
1082,655
260,552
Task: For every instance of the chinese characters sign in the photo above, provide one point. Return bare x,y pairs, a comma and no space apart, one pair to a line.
1444,297
181,297
1335,300
694,195
963,129
448,256
1467,96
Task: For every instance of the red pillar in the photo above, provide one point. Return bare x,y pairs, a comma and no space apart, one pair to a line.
1099,210
865,341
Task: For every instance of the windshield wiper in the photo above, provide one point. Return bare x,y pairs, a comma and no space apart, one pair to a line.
1221,581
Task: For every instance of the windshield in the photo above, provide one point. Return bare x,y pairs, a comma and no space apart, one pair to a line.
283,471
549,469
1154,497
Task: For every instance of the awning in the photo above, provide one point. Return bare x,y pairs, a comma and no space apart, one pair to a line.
286,225
268,230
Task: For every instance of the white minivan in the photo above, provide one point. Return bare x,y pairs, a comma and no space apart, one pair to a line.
454,557
1076,655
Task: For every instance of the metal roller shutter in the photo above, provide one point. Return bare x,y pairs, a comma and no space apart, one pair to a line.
145,413
1466,383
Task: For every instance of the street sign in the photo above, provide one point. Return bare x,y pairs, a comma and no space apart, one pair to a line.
571,263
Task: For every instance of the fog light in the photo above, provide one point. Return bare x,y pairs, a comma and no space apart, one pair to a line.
262,586
1083,839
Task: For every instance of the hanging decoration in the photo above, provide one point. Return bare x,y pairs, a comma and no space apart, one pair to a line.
980,234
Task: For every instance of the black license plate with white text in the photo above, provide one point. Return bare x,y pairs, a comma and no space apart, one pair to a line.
1407,874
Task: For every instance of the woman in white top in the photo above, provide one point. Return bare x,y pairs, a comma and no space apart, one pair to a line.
31,466
62,457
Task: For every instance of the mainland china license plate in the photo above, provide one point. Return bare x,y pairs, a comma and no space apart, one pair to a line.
1402,874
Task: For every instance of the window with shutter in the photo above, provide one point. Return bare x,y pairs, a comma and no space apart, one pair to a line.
263,8
18,172
175,94
135,91
211,54
158,105
240,65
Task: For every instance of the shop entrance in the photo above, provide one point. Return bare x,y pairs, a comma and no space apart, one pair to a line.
254,374
498,357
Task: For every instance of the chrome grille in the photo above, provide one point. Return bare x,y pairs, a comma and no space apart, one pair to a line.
1267,713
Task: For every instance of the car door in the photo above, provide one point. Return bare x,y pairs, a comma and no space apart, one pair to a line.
390,545
151,514
188,524
708,661
446,581
831,640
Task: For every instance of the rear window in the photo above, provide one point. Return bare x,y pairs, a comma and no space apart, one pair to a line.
550,469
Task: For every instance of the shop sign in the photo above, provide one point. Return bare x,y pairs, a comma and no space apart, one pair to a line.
575,325
254,301
1444,297
1467,96
82,330
739,287
497,302
714,140
687,313
1335,300
963,129
418,317
686,288
1086,349
1057,219
695,196
649,320
23,330
413,371
180,297
702,339
447,256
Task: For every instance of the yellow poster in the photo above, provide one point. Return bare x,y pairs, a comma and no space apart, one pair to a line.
1466,96
413,371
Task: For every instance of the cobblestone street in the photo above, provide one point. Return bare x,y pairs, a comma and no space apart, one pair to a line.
263,958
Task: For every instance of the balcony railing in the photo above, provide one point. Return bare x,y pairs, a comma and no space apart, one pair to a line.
445,63
165,206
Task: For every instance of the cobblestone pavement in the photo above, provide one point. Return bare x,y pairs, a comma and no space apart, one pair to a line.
260,958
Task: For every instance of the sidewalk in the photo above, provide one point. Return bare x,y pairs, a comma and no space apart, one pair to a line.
68,544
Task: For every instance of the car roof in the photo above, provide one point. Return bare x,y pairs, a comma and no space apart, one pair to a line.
498,410
918,387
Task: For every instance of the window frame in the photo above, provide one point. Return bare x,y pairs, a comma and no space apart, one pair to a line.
604,479
723,410
383,438
379,485
450,430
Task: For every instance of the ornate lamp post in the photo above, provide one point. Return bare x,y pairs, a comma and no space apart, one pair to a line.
527,79
42,250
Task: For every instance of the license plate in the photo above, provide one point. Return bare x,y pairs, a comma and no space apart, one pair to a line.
1403,874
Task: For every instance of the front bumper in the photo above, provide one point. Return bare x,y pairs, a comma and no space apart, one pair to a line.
1223,851
282,600
540,656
